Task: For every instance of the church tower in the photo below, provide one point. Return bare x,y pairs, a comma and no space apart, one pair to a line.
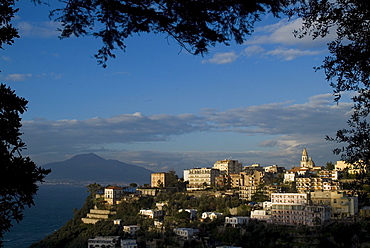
304,157
306,162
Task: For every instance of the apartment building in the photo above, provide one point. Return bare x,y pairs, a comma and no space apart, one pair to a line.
341,204
288,208
295,209
250,183
200,178
351,168
316,184
227,166
260,214
274,169
158,180
113,195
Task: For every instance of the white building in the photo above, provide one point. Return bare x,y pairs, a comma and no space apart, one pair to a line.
104,241
113,195
294,209
228,166
186,175
128,243
186,233
117,222
211,215
266,205
151,213
131,229
236,220
200,178
260,214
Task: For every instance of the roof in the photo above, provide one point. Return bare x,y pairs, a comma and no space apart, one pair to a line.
113,187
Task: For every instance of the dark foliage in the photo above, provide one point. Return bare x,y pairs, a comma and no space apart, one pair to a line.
348,66
19,174
195,25
7,31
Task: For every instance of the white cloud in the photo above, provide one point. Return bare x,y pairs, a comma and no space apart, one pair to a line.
281,33
5,58
50,74
40,30
290,54
16,77
283,130
222,58
253,50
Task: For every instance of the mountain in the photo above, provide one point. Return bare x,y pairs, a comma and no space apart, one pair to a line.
87,168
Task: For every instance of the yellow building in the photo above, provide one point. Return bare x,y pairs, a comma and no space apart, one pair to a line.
228,166
352,168
341,204
316,183
158,179
249,183
113,195
200,178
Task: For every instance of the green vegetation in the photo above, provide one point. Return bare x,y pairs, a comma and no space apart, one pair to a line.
254,234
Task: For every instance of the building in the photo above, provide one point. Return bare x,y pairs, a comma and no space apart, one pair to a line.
186,175
211,215
316,184
200,178
117,222
350,168
288,208
274,169
295,209
146,191
128,243
113,195
252,168
331,174
315,215
236,220
158,180
192,213
151,213
306,162
104,241
250,183
131,229
261,214
186,233
341,204
227,166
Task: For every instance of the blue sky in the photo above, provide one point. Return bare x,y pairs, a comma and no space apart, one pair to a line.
159,107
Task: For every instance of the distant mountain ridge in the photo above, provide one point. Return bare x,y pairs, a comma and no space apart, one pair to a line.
87,168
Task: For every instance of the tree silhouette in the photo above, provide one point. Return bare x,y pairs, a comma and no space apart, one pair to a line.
19,174
194,25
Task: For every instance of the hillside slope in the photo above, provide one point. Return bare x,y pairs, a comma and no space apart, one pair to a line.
92,168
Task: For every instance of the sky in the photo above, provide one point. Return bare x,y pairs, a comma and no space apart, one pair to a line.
159,107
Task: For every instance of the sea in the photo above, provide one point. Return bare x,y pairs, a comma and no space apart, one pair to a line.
53,207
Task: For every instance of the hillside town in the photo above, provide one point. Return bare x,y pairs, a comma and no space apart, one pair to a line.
307,195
